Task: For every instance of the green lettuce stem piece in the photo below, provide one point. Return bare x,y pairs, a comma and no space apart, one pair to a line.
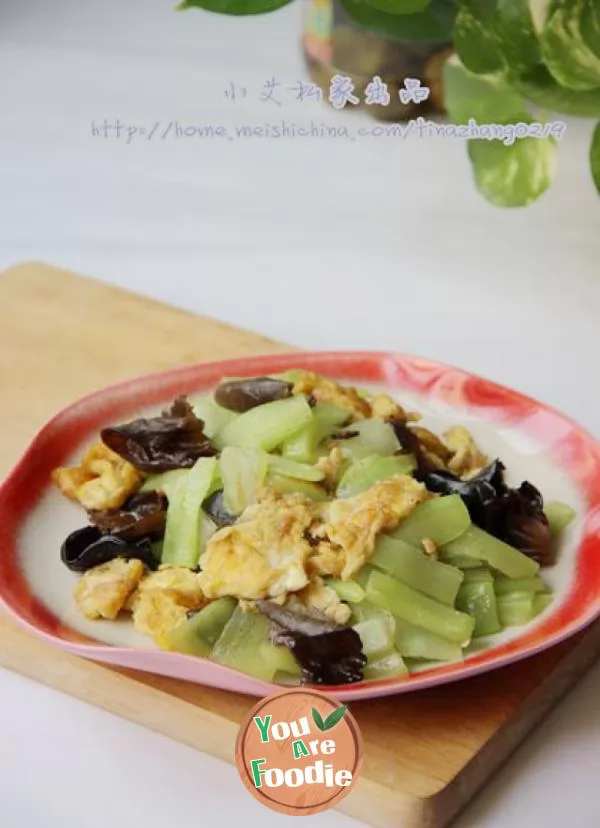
197,635
389,665
417,570
349,591
478,599
441,519
240,645
415,642
182,542
267,426
477,544
363,474
515,609
559,515
419,609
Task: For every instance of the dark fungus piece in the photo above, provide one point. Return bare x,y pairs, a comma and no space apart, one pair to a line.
175,440
476,493
515,516
242,395
88,547
518,518
411,444
143,516
327,653
214,506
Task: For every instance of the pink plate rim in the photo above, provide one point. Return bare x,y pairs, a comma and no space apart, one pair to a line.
566,442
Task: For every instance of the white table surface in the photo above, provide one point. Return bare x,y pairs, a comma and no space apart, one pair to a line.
324,243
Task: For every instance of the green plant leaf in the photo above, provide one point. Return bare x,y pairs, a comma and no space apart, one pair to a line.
513,175
474,39
433,25
237,7
335,717
318,719
540,11
565,52
399,6
516,37
539,87
595,157
590,25
486,98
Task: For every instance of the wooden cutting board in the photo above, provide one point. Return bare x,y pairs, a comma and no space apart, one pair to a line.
427,753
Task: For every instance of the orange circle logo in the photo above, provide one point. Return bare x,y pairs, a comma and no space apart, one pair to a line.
299,752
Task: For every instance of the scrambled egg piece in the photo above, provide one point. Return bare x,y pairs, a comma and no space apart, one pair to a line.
435,450
331,465
323,598
103,480
326,391
103,591
466,459
351,524
264,554
385,408
163,599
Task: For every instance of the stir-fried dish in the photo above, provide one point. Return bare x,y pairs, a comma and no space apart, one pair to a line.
302,531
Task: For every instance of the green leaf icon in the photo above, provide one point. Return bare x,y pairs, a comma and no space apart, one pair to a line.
317,719
334,717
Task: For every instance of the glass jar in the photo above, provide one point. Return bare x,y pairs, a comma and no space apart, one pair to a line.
334,44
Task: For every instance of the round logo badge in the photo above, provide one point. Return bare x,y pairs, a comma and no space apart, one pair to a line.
299,752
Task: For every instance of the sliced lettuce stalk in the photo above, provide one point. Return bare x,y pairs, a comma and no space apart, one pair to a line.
183,533
416,569
560,515
214,416
419,609
363,474
388,665
371,436
515,609
441,520
350,591
503,585
267,426
302,446
241,645
198,634
164,482
288,485
376,637
477,544
243,471
290,468
415,642
477,597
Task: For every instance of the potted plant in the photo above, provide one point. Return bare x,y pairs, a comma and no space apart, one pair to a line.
503,71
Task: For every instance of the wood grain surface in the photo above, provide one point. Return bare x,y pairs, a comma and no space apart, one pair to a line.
426,754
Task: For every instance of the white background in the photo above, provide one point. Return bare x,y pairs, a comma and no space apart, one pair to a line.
323,243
